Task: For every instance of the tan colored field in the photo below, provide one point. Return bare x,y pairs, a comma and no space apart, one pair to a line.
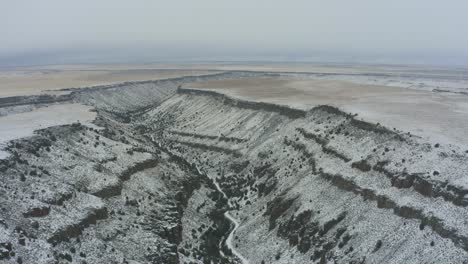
37,80
441,117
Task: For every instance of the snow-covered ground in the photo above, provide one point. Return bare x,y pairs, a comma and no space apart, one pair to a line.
23,124
452,83
404,103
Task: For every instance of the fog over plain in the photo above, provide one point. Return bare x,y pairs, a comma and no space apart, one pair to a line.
52,31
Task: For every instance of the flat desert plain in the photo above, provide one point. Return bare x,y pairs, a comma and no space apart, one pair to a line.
47,79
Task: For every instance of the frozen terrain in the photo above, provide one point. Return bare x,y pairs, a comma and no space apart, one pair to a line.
20,125
235,167
436,116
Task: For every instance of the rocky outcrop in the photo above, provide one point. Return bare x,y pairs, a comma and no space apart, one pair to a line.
276,208
67,231
33,100
37,211
259,106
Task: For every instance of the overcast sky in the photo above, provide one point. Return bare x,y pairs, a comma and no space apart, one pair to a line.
431,31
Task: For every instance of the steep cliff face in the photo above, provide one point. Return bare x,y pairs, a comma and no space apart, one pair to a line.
311,186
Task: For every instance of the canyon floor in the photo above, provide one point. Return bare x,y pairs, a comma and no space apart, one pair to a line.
236,164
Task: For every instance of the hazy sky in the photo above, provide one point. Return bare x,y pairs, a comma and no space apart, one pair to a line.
138,30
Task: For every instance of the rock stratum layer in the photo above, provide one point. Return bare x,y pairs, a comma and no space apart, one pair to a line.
317,186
